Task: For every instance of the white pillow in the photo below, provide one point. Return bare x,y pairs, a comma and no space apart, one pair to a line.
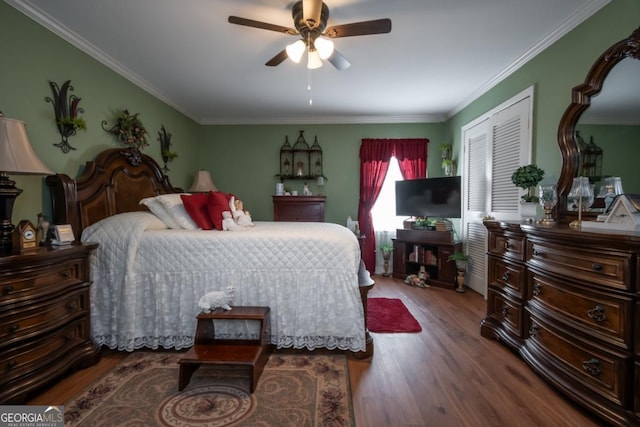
174,207
158,210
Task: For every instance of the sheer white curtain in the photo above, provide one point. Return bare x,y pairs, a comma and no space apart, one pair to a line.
385,221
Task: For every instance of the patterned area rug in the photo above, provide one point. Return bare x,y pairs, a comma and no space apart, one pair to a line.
294,390
390,315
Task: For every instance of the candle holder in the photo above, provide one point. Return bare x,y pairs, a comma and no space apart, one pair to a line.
548,197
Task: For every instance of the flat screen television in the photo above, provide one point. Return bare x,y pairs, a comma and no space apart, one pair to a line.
429,197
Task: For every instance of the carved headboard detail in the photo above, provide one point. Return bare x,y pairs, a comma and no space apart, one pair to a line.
113,183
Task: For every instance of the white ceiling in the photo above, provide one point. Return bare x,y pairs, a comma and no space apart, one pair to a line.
439,56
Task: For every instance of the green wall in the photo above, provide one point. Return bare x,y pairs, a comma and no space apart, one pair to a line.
553,73
244,159
33,56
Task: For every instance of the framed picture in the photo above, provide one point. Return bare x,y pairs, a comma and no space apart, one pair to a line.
63,234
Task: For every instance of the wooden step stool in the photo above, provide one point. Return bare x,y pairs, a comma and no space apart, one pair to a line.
208,350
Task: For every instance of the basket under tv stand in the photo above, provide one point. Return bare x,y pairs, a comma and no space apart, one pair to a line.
429,248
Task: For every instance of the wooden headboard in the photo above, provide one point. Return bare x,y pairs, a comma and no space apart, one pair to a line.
113,183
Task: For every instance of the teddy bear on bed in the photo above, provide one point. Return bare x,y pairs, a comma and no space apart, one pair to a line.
240,216
213,300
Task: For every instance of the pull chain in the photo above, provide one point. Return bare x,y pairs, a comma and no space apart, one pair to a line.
309,86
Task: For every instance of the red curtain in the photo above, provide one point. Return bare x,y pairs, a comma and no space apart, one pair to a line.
374,163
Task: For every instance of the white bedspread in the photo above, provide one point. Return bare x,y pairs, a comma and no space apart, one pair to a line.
148,279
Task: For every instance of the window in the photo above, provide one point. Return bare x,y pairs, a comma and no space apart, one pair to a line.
384,210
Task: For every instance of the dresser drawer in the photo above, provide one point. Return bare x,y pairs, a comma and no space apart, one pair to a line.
507,244
34,356
37,318
598,267
31,282
602,315
607,373
506,311
509,277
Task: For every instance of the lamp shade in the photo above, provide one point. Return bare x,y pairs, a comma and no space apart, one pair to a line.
324,47
295,51
16,154
314,60
202,182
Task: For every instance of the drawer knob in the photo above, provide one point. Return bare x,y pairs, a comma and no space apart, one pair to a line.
536,252
14,328
505,311
592,366
597,314
596,267
65,274
8,289
537,289
533,330
12,364
506,245
505,276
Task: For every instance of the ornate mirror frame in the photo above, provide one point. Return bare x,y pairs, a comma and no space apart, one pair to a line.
580,101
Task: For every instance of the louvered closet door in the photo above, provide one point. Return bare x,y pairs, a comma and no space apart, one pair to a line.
494,146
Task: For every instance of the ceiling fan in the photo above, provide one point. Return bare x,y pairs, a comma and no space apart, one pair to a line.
310,21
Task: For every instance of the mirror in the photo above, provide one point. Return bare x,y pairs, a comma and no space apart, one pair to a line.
613,84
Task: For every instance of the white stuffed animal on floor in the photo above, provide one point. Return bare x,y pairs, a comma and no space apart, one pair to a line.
217,299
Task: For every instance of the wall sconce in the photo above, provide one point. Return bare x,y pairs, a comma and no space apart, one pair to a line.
66,110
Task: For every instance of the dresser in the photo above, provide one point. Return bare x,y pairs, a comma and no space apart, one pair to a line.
44,318
299,208
567,300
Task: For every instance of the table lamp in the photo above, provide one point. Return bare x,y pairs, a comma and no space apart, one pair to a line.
202,182
16,157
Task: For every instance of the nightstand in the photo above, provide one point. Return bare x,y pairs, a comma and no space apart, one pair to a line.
44,318
299,208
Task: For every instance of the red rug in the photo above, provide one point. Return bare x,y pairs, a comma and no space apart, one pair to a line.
390,315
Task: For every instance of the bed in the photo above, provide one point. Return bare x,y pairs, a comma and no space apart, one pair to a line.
148,278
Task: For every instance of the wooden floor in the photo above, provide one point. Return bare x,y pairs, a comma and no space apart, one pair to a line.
446,375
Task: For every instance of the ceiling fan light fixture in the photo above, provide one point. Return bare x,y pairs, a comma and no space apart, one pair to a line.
295,51
324,47
313,60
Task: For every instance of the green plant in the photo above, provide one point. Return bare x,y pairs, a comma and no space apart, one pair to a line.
386,247
458,256
527,177
77,123
445,151
447,163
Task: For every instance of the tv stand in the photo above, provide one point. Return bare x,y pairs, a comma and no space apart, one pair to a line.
430,249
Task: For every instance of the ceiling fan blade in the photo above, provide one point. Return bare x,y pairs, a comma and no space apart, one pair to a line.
311,12
378,26
262,25
277,60
339,61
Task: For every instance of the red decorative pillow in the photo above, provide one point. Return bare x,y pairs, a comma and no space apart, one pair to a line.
196,207
218,201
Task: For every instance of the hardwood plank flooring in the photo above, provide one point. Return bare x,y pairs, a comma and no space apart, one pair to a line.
446,375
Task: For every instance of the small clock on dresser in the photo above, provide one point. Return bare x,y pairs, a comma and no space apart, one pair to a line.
25,236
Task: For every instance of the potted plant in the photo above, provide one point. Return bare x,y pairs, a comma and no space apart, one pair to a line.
386,249
448,165
528,177
462,260
445,151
